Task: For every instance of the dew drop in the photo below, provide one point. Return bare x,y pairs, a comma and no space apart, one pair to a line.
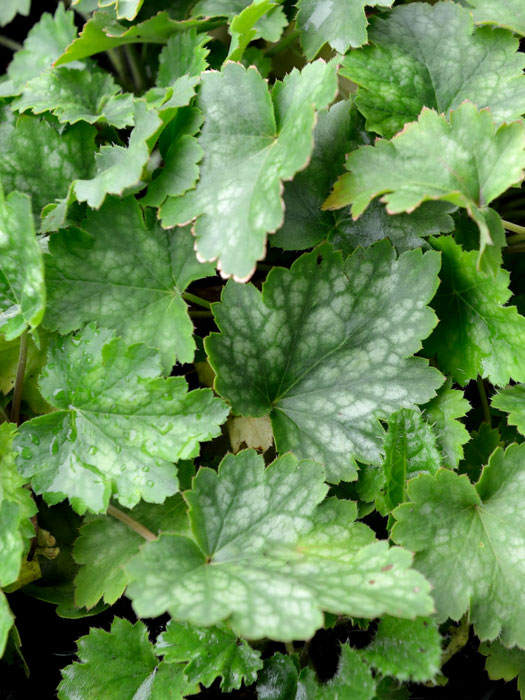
27,453
150,483
54,447
92,450
35,439
118,449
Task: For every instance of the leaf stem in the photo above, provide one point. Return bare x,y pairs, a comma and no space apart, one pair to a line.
484,401
115,57
196,300
4,418
290,649
10,43
131,523
515,228
19,381
139,79
458,639
201,314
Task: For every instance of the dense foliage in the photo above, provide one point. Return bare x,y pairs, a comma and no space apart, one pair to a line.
262,350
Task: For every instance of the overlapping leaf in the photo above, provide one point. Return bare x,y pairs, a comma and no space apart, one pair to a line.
436,158
509,14
210,653
267,556
441,413
325,350
512,401
342,24
118,427
405,649
468,539
105,544
16,509
127,276
6,622
252,140
409,66
479,333
39,160
10,8
503,663
77,95
121,664
22,288
119,168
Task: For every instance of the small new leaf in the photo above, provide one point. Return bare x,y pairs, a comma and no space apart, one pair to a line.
503,663
210,653
118,427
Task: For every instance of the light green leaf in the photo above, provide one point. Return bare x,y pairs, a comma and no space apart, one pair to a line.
46,40
468,541
509,14
180,171
118,427
408,66
22,287
240,176
512,401
16,509
410,449
77,95
131,279
211,652
125,9
271,25
478,333
219,8
353,679
121,664
269,558
409,650
342,25
6,622
9,9
438,159
442,413
242,27
119,168
503,663
102,32
324,350
183,58
105,544
28,142
9,353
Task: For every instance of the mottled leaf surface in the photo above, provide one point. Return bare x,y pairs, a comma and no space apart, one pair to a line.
252,140
118,427
468,541
210,653
341,24
39,161
127,276
267,556
429,55
22,287
436,158
332,357
442,414
479,333
105,544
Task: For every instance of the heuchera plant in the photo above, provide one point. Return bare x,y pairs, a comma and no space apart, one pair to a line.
261,351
